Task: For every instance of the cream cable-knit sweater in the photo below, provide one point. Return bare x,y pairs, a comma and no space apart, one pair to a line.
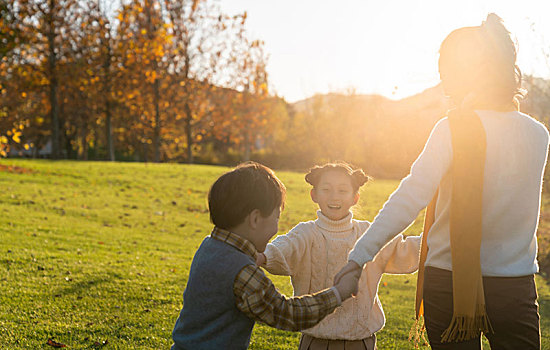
314,251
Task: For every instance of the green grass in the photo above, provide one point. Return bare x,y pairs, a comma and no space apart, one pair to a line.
96,255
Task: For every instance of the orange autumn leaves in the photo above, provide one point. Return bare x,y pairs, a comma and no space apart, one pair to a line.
152,79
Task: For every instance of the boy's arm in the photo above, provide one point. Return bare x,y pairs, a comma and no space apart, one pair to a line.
257,297
284,255
400,255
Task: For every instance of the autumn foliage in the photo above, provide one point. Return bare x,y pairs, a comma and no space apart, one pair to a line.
181,81
152,80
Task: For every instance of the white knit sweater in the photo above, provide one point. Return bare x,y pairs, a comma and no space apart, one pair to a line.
314,251
517,147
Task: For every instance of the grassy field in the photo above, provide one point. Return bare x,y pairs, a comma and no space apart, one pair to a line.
96,255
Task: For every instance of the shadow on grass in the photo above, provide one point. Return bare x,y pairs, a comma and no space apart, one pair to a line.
77,288
544,301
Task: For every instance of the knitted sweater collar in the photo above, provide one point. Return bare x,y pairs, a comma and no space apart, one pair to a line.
341,225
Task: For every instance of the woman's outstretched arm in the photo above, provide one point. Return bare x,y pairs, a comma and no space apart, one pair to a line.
413,194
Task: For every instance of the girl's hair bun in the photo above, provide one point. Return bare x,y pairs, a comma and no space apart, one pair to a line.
357,176
313,176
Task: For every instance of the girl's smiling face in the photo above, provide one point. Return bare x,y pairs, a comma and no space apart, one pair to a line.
334,194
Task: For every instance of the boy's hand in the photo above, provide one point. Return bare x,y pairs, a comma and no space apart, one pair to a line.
348,285
351,266
260,259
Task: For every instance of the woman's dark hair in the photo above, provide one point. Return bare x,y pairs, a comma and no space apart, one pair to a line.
357,176
237,193
482,60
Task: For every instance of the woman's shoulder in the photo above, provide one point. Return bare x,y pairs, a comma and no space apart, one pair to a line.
536,124
362,225
535,128
518,116
441,129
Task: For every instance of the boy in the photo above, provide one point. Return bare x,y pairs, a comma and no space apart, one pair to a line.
226,291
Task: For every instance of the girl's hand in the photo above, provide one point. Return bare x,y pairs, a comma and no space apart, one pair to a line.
351,267
260,259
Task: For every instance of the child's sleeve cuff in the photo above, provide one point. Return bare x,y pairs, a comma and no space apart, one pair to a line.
337,294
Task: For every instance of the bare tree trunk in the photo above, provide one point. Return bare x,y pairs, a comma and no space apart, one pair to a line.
188,131
156,94
247,145
247,133
108,121
84,143
54,108
156,132
106,45
109,132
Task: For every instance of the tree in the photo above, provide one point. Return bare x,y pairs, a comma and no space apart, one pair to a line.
107,57
164,79
199,52
46,36
142,40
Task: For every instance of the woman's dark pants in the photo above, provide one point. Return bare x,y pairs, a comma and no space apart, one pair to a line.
511,305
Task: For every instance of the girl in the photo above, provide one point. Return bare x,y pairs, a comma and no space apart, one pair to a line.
483,166
312,252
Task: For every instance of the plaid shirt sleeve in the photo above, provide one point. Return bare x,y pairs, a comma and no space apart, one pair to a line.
257,297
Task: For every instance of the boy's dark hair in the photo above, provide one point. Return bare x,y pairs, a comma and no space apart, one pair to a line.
358,177
237,193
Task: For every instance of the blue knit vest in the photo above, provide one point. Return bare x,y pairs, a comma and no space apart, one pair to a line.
209,318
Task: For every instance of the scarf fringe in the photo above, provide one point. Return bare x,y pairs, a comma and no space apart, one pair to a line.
417,334
466,327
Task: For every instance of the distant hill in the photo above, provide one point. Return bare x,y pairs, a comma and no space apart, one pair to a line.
387,134
394,130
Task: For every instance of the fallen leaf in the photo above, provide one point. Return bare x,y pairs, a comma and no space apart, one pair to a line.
14,169
55,344
103,343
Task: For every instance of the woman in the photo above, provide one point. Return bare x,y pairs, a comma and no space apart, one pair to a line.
481,174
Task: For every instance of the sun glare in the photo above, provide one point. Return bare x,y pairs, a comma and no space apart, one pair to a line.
388,47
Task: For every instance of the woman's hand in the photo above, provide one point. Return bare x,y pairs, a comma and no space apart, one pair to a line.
348,285
351,267
260,259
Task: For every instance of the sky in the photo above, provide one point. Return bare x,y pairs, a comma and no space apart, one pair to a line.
388,47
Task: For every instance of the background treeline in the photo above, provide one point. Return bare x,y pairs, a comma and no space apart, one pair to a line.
150,80
178,80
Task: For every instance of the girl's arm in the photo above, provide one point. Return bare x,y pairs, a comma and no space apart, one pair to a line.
285,253
400,255
413,194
